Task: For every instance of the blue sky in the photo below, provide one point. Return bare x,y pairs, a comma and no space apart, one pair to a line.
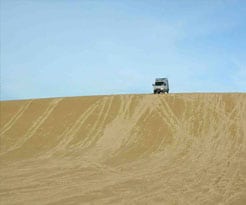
93,47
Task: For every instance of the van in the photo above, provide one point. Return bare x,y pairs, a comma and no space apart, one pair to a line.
160,86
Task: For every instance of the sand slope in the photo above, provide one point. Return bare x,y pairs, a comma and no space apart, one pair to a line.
124,149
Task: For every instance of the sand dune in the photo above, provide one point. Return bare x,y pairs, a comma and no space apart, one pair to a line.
124,149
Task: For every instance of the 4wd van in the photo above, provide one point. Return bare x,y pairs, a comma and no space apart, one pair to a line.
160,86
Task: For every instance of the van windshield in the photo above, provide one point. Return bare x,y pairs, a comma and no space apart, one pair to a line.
160,83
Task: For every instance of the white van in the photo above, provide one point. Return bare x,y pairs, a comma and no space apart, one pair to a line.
161,86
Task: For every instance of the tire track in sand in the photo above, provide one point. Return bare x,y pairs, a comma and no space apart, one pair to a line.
226,119
118,132
125,107
100,122
95,125
167,114
14,119
178,126
69,133
35,126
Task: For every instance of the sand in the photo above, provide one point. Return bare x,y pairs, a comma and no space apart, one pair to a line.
124,149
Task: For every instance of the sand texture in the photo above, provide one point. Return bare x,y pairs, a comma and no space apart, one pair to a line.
124,149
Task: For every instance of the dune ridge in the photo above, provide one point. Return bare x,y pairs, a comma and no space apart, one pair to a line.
124,149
